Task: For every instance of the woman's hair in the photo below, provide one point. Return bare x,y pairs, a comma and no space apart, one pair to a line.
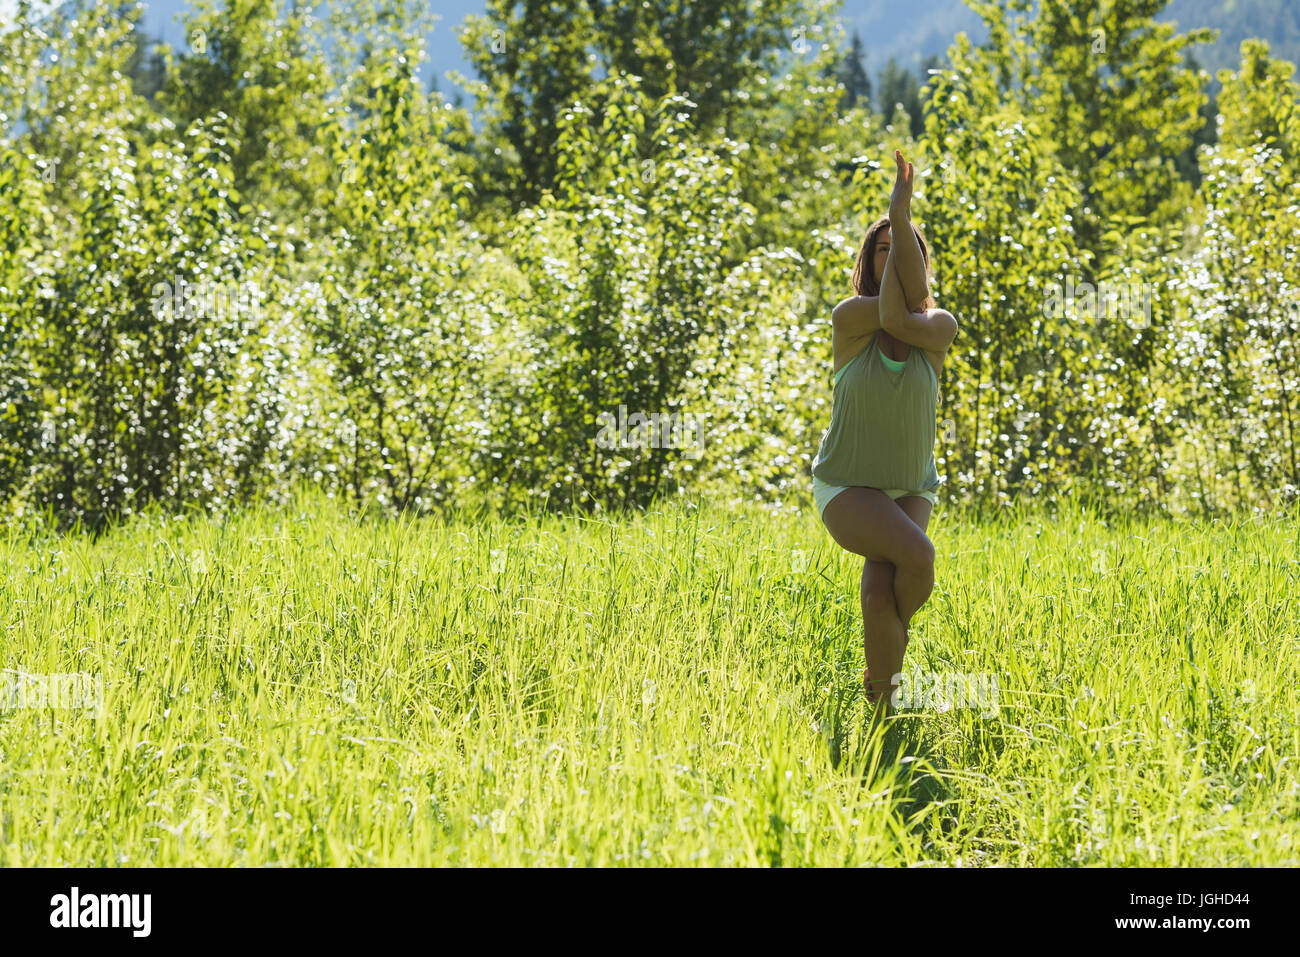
864,283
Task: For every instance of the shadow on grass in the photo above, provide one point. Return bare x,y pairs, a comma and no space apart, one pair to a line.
896,754
899,754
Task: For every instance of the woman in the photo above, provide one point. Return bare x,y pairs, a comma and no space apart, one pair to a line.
874,477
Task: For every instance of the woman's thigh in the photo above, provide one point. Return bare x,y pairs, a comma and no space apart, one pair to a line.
879,576
918,509
869,523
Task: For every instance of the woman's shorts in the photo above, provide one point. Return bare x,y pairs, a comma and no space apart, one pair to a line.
823,492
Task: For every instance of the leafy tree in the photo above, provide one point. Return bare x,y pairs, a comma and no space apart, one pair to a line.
849,71
899,89
1186,162
403,338
1239,342
20,403
996,208
1124,240
535,57
625,262
795,142
1119,102
533,60
260,68
63,80
146,67
153,394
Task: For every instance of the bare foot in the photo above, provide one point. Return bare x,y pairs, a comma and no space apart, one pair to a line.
872,696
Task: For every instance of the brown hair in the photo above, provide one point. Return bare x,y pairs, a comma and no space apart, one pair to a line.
864,283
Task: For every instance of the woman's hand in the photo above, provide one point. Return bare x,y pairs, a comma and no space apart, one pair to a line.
900,202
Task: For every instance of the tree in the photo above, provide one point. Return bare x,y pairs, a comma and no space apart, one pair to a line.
1239,340
1186,161
898,88
852,74
146,66
996,209
394,314
1120,107
257,67
534,58
625,260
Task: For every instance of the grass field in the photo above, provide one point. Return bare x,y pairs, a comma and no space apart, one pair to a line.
308,687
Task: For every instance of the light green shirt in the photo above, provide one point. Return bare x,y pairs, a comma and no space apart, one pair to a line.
882,423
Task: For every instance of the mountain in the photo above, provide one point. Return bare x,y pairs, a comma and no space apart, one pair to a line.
909,32
1275,21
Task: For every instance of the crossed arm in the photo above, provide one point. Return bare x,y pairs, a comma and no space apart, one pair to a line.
910,264
904,281
933,329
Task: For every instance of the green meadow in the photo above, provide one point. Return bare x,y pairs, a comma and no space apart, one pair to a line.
311,685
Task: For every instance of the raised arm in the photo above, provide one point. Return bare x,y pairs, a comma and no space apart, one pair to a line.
911,264
893,310
933,329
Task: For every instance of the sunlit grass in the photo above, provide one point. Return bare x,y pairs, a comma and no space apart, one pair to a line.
307,687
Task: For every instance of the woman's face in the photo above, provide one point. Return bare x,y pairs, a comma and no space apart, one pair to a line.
882,251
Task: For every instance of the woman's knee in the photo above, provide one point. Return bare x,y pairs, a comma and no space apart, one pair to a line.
918,557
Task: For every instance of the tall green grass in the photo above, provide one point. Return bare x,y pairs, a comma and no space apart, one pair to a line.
306,686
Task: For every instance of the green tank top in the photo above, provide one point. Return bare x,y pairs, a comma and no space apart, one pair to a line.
882,423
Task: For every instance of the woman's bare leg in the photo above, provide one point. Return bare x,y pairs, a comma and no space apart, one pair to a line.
918,510
884,638
869,523
878,579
